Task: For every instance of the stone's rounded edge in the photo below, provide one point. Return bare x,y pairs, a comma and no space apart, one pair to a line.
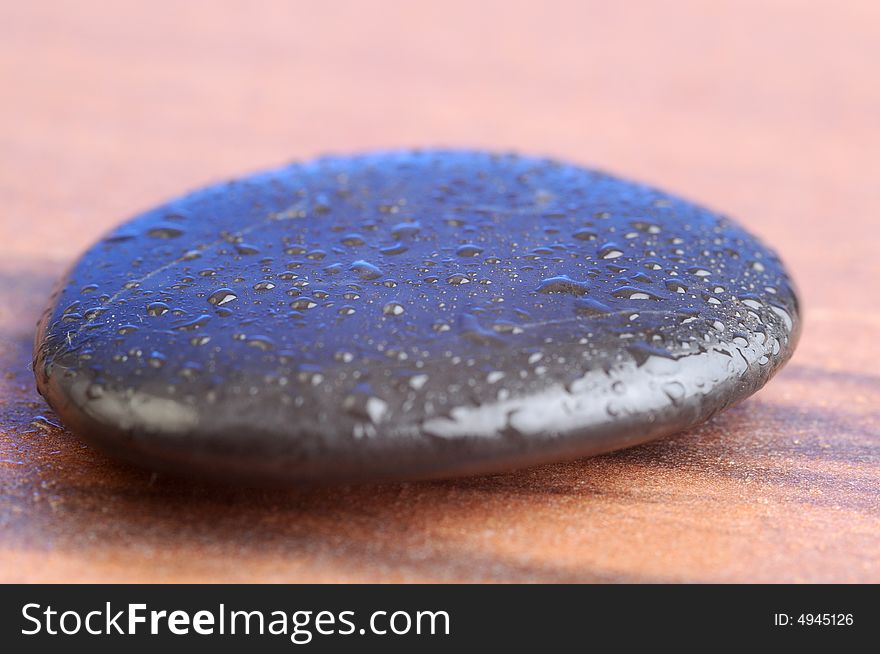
431,457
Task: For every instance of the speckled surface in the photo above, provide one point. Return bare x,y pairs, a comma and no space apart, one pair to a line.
763,111
409,314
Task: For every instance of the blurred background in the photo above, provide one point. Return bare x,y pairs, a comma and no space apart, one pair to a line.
760,108
763,109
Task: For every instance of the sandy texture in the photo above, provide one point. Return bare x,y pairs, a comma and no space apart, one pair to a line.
765,110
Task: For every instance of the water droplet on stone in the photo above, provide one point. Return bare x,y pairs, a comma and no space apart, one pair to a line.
468,250
563,284
610,251
157,309
365,270
458,279
303,303
222,296
393,309
165,232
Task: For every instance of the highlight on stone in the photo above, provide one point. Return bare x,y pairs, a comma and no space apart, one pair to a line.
409,315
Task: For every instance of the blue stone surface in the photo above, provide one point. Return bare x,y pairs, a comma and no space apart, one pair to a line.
409,315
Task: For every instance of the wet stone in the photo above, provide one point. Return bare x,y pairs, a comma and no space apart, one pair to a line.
409,315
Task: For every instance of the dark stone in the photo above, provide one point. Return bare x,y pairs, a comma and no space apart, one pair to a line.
409,315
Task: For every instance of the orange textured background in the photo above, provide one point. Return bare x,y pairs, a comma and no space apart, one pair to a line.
766,110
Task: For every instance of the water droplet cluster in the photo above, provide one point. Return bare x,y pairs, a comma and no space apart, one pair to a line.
399,295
